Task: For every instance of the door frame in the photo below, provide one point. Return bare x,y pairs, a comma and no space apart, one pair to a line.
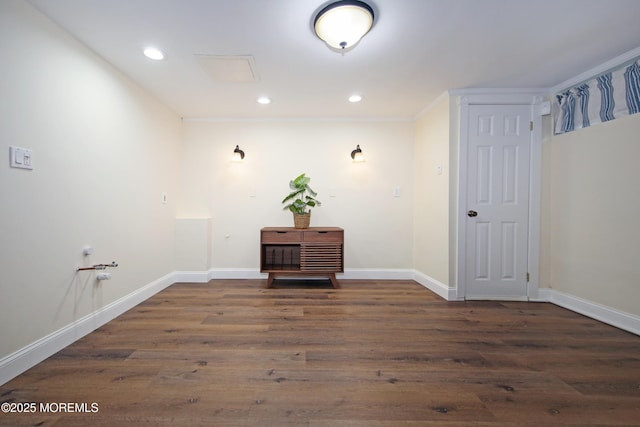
535,100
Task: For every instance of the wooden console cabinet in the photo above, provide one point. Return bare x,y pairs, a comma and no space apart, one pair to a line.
314,251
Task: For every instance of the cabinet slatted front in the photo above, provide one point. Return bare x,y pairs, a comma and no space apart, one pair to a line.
316,251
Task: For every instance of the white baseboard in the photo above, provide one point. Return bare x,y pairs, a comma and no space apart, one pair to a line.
191,277
236,273
376,274
248,273
544,295
605,314
217,273
16,363
439,288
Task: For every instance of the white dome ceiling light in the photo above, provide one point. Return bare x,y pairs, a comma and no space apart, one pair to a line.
343,23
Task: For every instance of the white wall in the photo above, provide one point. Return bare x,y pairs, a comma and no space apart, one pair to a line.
243,197
590,207
104,151
431,198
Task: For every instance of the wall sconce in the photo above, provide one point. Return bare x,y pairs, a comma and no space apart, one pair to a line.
357,155
238,154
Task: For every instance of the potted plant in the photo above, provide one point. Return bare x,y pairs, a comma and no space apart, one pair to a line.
300,200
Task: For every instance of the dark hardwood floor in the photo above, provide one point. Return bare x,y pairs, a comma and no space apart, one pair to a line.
373,353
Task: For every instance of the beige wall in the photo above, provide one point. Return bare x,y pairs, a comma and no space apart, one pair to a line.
591,210
431,198
242,197
104,152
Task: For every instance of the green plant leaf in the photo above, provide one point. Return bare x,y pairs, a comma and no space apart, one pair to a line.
301,197
301,180
293,195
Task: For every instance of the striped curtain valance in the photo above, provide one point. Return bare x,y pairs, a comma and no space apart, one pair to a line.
606,97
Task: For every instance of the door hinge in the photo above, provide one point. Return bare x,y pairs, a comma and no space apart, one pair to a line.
528,277
531,126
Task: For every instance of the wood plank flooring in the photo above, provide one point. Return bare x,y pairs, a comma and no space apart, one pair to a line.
373,353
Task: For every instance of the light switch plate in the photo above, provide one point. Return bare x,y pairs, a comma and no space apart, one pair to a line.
20,157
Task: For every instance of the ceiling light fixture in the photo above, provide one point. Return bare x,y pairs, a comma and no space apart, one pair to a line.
153,53
355,98
343,23
264,100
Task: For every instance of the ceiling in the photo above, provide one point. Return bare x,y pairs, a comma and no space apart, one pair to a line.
416,50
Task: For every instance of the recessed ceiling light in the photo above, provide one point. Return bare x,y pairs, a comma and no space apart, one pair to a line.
154,53
355,98
264,100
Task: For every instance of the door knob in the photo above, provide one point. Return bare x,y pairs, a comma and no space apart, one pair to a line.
472,214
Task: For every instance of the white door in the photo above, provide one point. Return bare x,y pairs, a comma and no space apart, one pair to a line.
497,206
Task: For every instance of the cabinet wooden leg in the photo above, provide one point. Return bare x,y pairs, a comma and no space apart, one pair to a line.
334,281
270,280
